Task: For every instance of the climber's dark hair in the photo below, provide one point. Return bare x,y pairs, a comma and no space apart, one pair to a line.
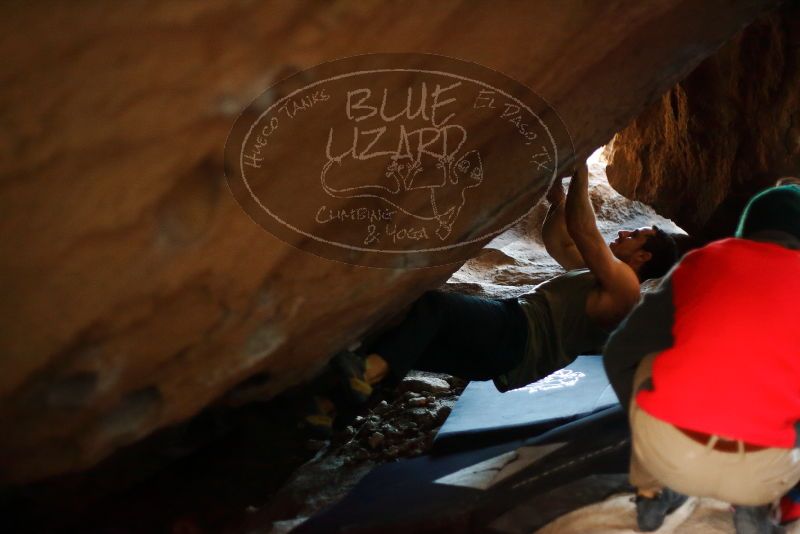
664,254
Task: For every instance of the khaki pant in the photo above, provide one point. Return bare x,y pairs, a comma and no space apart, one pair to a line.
662,456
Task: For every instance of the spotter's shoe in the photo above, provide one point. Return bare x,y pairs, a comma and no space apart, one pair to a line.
651,512
790,506
755,520
351,368
318,419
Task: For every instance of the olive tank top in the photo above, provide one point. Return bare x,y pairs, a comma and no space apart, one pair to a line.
558,328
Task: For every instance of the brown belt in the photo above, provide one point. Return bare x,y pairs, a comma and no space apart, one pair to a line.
722,445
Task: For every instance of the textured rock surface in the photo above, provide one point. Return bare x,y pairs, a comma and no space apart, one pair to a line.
729,129
135,291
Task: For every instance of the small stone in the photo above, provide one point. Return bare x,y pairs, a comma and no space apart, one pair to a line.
376,440
370,427
424,384
359,419
392,452
391,431
381,408
410,432
422,416
418,401
456,383
408,395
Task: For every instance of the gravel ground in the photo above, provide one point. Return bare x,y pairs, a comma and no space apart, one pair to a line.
397,423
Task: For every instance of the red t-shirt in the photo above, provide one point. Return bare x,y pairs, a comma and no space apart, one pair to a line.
734,368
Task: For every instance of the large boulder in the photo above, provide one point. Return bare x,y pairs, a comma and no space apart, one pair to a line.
135,291
728,130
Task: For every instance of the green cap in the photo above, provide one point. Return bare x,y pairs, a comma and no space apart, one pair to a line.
776,208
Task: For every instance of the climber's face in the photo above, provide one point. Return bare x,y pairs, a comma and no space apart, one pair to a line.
629,244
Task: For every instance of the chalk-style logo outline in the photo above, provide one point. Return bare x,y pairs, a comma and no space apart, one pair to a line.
563,378
457,171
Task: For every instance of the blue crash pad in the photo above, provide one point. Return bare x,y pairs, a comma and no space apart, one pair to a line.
483,415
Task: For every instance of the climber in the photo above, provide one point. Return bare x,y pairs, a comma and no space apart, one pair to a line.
708,366
517,341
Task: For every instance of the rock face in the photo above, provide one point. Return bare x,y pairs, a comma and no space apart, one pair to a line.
135,290
728,130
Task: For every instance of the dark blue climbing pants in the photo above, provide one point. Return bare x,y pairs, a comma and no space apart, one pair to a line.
470,337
